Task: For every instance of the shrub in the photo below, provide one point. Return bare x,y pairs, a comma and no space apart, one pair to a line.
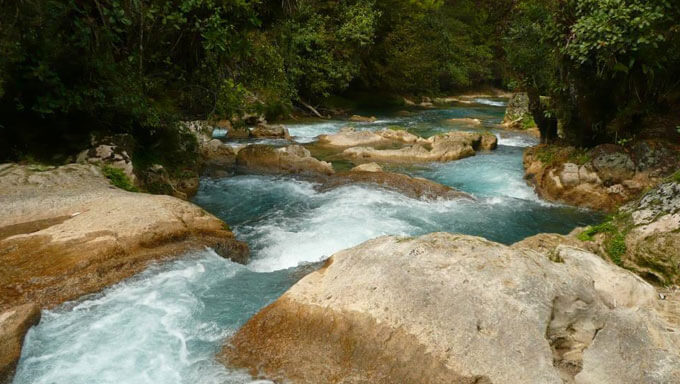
118,178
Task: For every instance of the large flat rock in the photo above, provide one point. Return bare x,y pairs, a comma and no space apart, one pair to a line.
446,308
67,232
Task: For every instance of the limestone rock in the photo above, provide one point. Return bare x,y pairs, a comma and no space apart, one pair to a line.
14,323
446,308
362,119
111,156
217,158
612,164
368,167
414,187
270,131
238,132
467,121
67,232
351,138
451,146
293,159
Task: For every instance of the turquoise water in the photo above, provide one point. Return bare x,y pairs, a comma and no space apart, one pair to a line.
166,324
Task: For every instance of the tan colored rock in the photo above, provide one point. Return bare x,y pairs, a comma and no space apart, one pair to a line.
270,131
446,308
414,187
352,138
293,159
362,119
368,167
451,146
14,323
67,232
217,158
464,120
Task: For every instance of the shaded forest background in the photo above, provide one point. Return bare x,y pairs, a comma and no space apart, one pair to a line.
69,68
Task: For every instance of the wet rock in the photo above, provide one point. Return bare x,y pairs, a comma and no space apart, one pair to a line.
467,121
14,323
67,232
414,187
446,308
270,131
293,159
362,119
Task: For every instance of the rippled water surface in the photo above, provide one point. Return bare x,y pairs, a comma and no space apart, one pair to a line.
166,324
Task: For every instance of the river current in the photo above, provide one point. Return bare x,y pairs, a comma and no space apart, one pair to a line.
166,324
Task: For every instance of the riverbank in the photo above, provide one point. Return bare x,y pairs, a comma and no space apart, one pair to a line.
67,232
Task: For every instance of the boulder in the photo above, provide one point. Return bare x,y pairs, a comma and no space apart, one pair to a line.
451,146
293,159
238,132
464,120
362,119
109,155
14,323
351,138
270,131
217,158
444,308
516,110
67,232
652,234
612,163
368,167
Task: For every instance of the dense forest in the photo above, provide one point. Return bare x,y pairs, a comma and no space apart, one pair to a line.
69,68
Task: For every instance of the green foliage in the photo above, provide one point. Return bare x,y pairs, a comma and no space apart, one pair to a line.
616,248
528,122
606,64
118,178
589,232
676,177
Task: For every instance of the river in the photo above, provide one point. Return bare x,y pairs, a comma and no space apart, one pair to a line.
166,324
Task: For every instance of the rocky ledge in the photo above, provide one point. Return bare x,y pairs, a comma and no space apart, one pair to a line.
446,308
441,148
601,178
67,232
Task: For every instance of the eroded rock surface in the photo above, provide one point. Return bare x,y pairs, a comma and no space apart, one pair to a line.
441,148
446,308
67,232
351,138
293,159
602,178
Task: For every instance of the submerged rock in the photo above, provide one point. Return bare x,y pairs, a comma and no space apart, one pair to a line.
293,159
14,323
446,308
67,232
467,121
414,187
